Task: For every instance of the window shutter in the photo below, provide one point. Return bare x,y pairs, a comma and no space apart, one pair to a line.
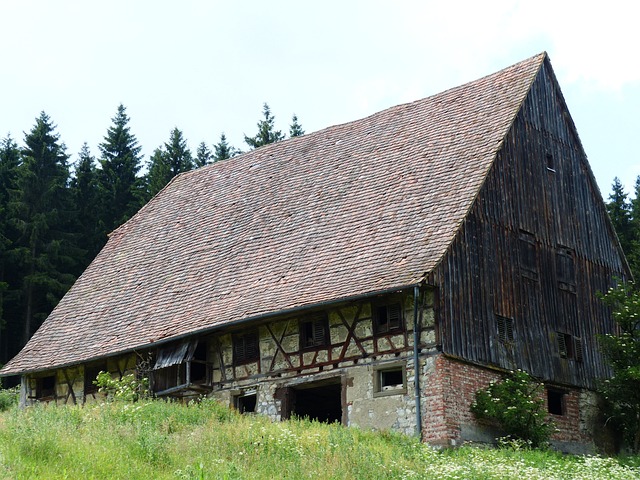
579,352
562,345
318,333
394,316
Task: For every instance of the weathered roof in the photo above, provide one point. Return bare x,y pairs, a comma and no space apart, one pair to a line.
357,208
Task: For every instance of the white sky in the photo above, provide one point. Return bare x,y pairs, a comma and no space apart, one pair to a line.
207,67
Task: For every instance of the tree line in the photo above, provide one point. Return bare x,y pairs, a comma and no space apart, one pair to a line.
55,216
624,211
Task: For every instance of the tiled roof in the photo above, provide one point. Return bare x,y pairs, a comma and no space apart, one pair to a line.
357,208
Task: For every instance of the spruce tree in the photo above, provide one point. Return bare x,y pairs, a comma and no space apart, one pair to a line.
619,210
42,211
295,130
166,164
266,131
222,150
84,189
178,154
203,155
9,162
159,174
121,191
633,254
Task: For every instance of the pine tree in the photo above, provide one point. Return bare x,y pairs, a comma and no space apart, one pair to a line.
266,131
619,210
84,189
222,150
42,211
203,155
121,191
166,164
295,130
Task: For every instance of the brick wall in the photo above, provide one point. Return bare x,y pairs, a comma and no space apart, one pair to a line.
449,389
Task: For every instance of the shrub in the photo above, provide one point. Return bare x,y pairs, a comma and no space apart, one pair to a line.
622,352
128,388
516,406
8,397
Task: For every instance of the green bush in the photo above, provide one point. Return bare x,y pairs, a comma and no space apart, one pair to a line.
516,406
8,397
621,350
128,388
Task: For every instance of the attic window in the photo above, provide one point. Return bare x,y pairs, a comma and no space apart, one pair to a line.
505,329
565,269
314,331
245,348
46,387
527,255
387,318
570,347
551,166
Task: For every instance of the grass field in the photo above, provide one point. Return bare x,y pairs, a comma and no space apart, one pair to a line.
159,440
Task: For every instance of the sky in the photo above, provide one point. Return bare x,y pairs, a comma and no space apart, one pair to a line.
207,67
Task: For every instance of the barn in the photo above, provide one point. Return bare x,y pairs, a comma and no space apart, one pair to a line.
375,273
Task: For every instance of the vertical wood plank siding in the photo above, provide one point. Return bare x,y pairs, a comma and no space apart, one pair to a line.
480,277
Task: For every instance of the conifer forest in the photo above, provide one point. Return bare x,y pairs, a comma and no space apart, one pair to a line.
58,207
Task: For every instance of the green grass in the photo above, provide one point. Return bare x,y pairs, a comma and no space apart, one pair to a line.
159,440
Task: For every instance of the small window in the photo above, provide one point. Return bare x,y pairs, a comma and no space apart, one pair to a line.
246,402
245,348
527,255
387,318
314,332
90,374
390,380
505,329
555,402
565,269
570,347
551,165
46,387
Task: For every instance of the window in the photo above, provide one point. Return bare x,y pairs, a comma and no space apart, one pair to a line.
527,255
245,348
555,402
46,387
505,329
246,402
181,367
387,318
550,163
390,380
565,269
570,347
314,332
90,374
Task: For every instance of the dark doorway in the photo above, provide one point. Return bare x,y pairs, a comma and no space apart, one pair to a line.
321,401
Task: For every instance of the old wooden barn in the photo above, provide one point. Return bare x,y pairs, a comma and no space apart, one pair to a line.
375,273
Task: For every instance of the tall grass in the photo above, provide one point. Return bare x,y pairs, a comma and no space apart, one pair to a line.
154,439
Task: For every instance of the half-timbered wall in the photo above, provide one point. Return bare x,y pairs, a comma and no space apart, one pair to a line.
71,385
355,358
517,287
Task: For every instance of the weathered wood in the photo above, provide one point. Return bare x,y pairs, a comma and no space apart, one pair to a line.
539,187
